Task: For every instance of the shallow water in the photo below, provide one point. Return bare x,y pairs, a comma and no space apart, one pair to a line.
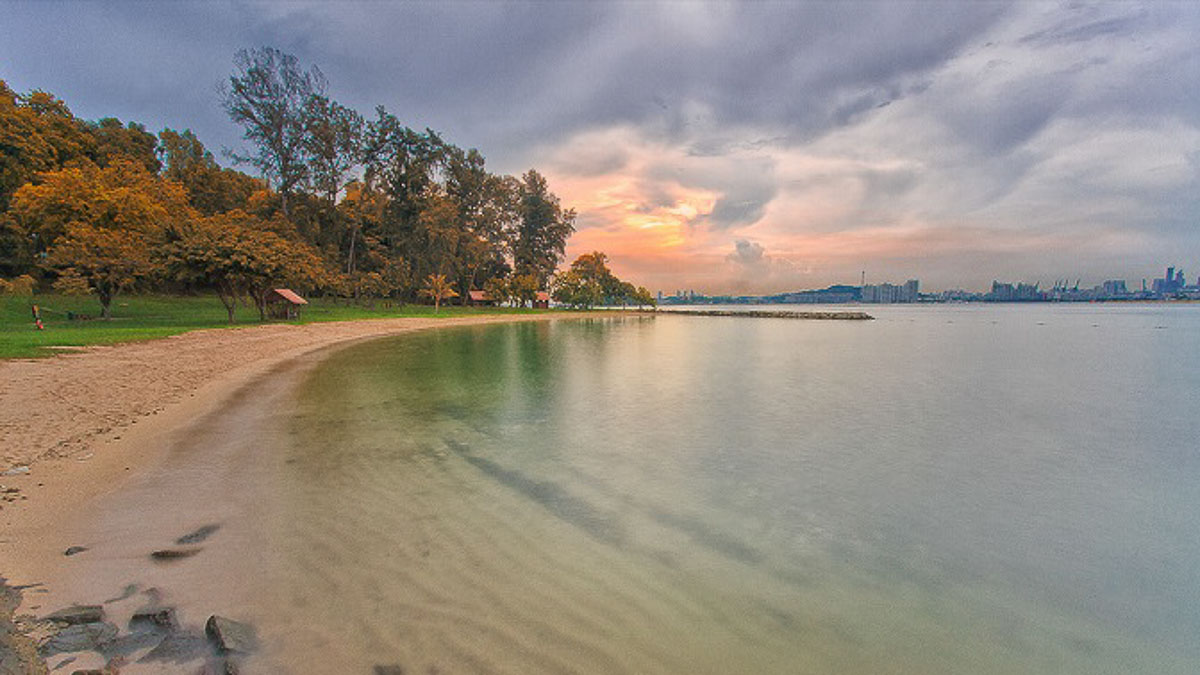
949,489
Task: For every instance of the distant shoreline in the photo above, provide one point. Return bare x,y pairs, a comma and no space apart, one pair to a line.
774,314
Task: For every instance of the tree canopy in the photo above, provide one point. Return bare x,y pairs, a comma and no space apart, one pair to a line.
589,282
344,204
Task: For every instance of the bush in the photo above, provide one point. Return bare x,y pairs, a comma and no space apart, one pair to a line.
21,286
71,283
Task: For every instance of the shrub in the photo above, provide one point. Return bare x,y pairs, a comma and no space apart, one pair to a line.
70,282
21,286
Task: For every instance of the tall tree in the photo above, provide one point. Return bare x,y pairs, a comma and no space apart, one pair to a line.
419,221
37,133
268,95
210,188
362,213
434,241
487,215
131,141
543,229
333,144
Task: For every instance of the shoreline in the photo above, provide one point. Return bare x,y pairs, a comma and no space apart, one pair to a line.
79,426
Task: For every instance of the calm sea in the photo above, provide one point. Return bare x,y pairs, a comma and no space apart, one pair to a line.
946,489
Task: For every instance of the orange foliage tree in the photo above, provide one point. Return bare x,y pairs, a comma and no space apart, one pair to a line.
121,196
110,261
232,254
37,133
100,224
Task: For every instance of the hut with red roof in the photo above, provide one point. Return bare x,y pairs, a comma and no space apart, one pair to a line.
284,303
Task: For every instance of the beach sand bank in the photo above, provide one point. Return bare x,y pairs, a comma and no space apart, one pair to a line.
79,426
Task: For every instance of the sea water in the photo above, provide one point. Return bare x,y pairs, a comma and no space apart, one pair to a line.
946,489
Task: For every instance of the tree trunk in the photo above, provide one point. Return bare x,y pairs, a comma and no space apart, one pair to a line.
260,301
106,298
230,302
350,256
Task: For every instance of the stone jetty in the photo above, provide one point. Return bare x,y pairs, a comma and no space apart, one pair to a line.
774,314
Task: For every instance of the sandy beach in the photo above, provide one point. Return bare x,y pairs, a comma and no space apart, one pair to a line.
80,425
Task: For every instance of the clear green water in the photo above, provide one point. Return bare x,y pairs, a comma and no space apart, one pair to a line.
944,490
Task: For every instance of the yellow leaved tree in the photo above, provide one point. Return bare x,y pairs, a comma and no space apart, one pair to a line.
100,225
437,288
233,254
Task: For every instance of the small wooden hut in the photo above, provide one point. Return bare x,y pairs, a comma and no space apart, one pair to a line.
542,300
480,298
284,303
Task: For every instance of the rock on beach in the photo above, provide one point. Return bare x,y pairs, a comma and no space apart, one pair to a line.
231,636
77,614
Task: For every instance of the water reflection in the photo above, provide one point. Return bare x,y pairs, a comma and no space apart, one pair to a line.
941,490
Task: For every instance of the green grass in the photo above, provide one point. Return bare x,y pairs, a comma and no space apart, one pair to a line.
145,317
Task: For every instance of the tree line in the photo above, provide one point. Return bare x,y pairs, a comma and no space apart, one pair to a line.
347,205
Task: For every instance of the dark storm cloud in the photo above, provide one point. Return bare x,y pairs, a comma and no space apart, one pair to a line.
1007,116
509,75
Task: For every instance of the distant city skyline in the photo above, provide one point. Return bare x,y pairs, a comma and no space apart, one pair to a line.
1172,285
957,142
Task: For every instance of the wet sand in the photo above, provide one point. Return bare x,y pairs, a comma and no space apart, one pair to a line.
78,427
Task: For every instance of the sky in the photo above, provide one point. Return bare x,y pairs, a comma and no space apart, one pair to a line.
731,147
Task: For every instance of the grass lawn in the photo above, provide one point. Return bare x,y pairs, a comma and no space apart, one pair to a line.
144,317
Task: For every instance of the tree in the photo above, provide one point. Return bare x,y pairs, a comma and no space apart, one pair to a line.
577,290
21,287
362,211
210,189
233,255
69,282
487,215
434,239
332,143
523,288
109,260
419,222
543,229
643,298
594,267
388,279
130,142
121,196
437,288
497,291
590,282
37,133
268,95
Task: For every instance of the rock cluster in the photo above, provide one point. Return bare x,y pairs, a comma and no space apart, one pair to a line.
154,630
85,636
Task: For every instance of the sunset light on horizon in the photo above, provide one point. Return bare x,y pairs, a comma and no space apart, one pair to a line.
740,147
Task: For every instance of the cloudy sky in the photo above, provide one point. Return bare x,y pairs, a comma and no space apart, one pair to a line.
750,147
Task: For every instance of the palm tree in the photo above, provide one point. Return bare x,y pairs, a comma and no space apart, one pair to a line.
439,289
